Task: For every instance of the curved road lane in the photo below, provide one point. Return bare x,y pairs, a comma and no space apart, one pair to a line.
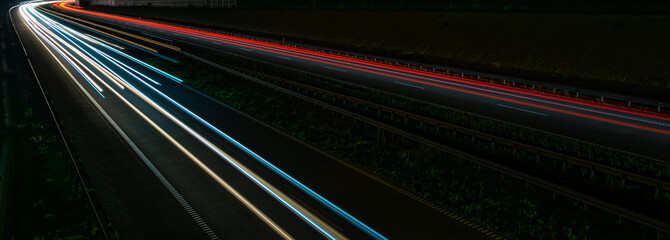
637,132
162,172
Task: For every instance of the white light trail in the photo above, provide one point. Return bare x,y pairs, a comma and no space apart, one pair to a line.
70,45
312,219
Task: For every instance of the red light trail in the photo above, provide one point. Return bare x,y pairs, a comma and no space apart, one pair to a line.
404,73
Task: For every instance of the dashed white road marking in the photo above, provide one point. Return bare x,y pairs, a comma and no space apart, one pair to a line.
282,57
521,109
409,85
336,69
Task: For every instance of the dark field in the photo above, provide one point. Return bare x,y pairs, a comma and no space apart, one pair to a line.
581,6
626,54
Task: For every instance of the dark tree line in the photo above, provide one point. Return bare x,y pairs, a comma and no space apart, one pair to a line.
569,6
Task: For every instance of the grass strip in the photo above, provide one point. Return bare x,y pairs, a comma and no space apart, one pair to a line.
501,204
596,153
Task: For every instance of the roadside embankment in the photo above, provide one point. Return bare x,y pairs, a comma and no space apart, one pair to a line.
625,54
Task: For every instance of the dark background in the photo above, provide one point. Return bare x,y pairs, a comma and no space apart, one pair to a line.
564,6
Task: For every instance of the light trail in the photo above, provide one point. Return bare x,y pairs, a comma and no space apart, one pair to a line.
29,17
110,35
78,52
310,218
561,104
76,64
65,40
106,42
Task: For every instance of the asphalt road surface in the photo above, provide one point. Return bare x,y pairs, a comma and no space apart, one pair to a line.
631,131
170,163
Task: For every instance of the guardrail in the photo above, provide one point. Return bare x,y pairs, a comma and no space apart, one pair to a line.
493,139
632,103
658,225
582,94
624,175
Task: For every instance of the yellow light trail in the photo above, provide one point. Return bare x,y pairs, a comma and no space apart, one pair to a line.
62,46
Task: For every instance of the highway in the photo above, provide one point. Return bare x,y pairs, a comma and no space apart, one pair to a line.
628,130
170,163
